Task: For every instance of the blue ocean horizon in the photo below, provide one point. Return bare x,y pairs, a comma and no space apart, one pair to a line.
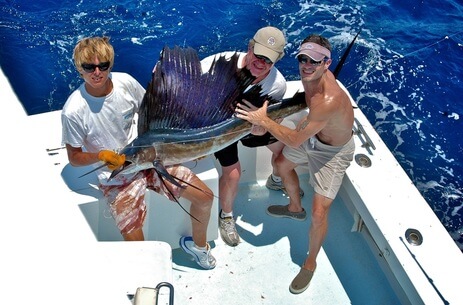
405,70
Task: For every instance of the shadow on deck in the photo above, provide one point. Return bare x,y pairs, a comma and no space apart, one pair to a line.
260,269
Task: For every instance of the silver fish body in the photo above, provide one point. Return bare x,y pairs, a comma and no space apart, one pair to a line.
171,147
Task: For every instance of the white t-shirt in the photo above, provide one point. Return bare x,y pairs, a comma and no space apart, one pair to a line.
97,123
274,84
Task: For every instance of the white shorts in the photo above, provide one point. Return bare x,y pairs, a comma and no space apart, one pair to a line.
327,164
291,121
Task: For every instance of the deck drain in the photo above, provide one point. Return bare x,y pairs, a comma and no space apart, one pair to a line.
414,237
362,160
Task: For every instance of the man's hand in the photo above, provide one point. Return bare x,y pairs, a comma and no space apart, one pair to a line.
251,113
258,130
113,160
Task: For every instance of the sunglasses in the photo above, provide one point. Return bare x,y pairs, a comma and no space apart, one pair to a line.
89,68
305,59
260,57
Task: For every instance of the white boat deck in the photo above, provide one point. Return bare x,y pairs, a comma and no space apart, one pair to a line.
50,254
260,269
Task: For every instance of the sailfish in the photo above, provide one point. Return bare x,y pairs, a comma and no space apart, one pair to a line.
187,114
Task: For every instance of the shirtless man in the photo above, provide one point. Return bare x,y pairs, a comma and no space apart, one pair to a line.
322,140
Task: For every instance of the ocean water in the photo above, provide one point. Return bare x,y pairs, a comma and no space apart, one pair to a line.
404,71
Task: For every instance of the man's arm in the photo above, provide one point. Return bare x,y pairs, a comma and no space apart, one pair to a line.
306,128
77,157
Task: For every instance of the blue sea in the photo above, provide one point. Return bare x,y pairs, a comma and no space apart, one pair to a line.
405,70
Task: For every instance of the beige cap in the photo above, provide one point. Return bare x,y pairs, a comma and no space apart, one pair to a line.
270,42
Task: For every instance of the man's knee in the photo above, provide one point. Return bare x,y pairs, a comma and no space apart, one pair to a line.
320,211
283,165
208,198
231,173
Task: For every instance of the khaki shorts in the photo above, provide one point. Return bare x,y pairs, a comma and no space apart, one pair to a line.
327,164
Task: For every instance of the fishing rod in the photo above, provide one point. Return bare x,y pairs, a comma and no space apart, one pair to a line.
340,64
424,272
389,61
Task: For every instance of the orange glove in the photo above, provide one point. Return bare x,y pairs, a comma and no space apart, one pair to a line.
113,160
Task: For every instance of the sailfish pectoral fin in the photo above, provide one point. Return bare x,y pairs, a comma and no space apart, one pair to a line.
194,186
163,174
161,170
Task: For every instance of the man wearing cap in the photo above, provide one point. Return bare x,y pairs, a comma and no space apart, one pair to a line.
322,141
264,50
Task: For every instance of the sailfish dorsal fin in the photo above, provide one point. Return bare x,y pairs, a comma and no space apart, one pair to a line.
182,96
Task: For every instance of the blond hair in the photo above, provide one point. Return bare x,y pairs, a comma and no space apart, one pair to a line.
90,47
